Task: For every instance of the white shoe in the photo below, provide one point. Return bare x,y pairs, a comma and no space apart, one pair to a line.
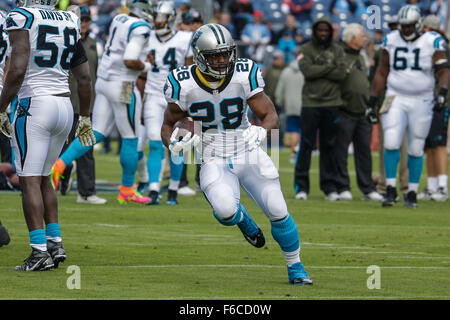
372,196
301,196
345,195
425,195
186,191
94,199
441,195
332,196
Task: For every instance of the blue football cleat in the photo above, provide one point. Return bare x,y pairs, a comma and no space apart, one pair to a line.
252,233
298,276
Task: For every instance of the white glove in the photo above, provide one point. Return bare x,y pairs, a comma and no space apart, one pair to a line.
185,144
85,132
253,136
5,125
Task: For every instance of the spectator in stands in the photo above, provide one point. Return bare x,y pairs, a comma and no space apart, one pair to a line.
289,24
300,39
287,45
85,165
272,75
353,7
256,36
439,8
225,20
301,10
353,126
322,64
191,21
436,142
288,95
241,13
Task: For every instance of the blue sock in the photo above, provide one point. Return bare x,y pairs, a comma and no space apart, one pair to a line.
415,165
237,217
176,167
286,234
53,230
38,239
129,160
155,156
76,150
391,159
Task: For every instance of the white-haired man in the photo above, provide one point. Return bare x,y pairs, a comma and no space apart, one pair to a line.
353,126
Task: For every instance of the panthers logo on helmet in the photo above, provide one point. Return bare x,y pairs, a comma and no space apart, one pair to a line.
10,22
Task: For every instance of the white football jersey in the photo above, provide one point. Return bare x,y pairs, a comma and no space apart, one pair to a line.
53,39
222,111
5,50
169,55
411,63
122,29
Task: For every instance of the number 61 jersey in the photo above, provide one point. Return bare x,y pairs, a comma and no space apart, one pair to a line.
222,110
411,63
53,37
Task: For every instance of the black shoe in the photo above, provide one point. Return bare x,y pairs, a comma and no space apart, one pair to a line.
411,200
66,179
154,196
172,197
37,261
4,236
56,251
391,197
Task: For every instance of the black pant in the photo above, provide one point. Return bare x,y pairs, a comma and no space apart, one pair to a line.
325,120
5,149
85,166
184,181
360,133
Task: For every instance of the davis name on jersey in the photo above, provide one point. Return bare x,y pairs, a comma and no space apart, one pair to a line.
169,55
411,63
222,111
53,37
122,29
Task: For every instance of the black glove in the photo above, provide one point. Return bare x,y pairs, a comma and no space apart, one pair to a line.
371,112
439,100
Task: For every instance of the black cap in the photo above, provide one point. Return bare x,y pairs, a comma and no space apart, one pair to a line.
85,12
191,17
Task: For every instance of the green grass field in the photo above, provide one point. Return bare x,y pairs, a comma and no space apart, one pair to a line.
182,252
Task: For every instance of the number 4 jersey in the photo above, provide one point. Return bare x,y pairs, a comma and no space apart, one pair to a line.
222,110
411,63
53,37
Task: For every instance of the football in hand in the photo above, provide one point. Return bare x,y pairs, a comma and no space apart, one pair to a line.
185,125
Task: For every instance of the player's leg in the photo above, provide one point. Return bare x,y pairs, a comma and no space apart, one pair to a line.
58,138
221,188
419,121
394,125
153,118
127,118
37,121
142,171
102,124
261,182
441,157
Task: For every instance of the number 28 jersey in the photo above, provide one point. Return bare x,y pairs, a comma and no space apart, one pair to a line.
411,63
53,36
222,111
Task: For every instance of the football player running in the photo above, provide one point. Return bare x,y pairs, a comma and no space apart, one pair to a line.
409,60
117,99
45,46
217,91
168,49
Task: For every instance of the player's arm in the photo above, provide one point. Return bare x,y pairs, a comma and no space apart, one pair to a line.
140,82
133,51
441,65
264,109
313,70
172,114
20,53
380,78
